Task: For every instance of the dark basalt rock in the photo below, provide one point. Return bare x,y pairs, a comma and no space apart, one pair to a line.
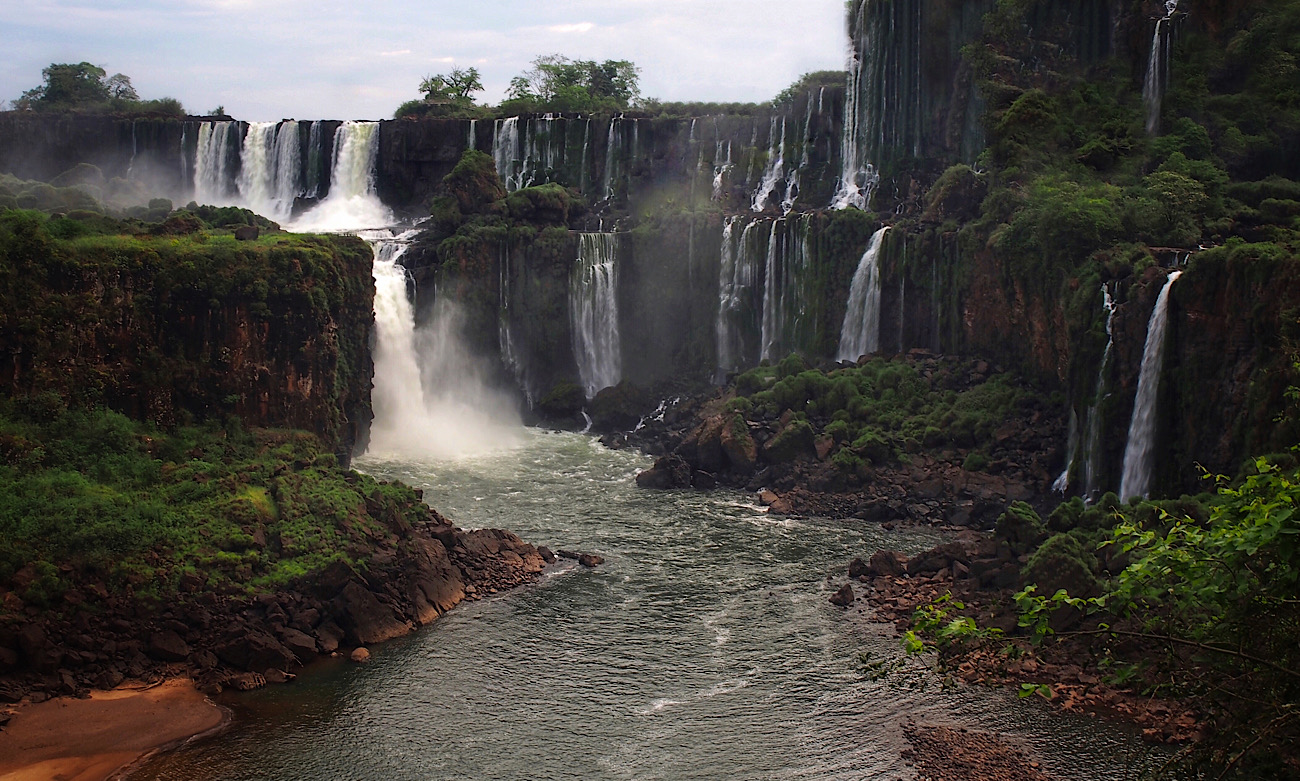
844,597
668,472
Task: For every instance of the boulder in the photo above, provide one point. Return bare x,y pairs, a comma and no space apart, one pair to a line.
255,651
359,656
619,408
365,619
844,597
887,563
247,233
301,645
669,472
937,558
590,560
858,568
168,646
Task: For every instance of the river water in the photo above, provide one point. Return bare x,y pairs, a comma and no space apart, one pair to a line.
704,648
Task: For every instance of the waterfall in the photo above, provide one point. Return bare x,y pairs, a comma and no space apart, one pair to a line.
1157,76
792,181
212,167
737,274
860,334
429,398
352,203
1092,442
593,312
1139,461
1062,483
775,171
858,177
270,161
773,321
613,145
722,166
472,141
315,160
505,150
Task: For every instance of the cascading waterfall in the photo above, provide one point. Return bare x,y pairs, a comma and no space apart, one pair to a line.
472,141
593,312
860,334
352,203
1157,76
722,166
429,398
792,182
775,172
1139,453
613,147
736,277
773,321
271,161
315,160
1092,442
505,150
858,177
212,167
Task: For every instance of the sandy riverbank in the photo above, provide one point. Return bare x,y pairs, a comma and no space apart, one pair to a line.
91,739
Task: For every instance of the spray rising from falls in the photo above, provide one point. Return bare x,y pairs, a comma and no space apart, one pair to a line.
430,399
1139,460
860,334
1157,76
352,203
593,310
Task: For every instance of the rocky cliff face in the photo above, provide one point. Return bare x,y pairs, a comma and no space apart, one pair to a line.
169,330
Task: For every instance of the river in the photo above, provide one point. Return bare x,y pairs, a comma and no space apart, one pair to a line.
703,648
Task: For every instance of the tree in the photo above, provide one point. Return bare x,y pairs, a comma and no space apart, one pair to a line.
86,87
558,83
455,88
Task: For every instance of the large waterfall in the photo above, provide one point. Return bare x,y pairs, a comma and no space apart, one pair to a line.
212,162
774,174
860,334
430,397
858,177
352,203
271,165
593,311
1139,453
1157,76
737,275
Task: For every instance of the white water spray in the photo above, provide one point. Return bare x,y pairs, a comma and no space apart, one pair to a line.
860,334
774,174
212,167
1139,453
352,203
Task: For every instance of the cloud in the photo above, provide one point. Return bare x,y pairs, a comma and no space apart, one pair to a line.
580,27
398,53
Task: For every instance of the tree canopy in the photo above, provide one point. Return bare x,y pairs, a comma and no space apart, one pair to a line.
557,83
455,88
88,88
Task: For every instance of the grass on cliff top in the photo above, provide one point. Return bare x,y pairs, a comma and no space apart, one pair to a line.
92,498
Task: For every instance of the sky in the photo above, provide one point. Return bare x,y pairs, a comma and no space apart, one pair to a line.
266,60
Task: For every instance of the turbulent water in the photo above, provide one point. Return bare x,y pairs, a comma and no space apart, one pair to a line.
703,648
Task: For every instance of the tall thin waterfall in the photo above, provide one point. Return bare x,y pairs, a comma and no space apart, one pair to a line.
511,357
429,397
1092,442
1139,453
736,278
773,322
858,177
212,168
613,156
860,334
593,312
722,166
774,174
1157,76
315,160
1062,483
352,203
505,150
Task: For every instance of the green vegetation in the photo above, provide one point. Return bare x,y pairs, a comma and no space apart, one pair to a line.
92,497
449,95
556,83
808,83
87,88
882,409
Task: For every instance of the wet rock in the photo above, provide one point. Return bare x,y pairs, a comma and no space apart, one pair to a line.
547,555
365,619
246,682
278,676
858,568
255,651
359,656
668,472
299,644
844,597
937,558
590,560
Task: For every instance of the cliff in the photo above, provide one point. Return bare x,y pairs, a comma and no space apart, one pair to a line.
173,329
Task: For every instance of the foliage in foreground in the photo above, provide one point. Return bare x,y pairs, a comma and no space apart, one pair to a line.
92,497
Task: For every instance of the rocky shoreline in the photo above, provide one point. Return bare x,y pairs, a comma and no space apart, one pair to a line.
415,573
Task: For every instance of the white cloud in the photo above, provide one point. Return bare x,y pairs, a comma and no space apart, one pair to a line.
581,27
398,53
